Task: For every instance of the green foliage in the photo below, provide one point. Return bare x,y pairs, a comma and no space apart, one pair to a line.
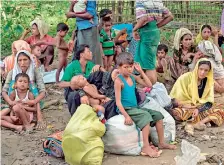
17,15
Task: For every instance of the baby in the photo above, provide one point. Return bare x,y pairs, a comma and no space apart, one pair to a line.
95,99
80,7
36,53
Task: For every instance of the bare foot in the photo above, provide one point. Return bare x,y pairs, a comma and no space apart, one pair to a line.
41,125
148,151
155,148
19,128
208,125
199,126
167,146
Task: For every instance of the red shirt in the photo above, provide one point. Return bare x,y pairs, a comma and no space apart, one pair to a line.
32,40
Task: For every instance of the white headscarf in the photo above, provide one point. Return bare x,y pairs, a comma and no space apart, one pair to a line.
213,54
16,69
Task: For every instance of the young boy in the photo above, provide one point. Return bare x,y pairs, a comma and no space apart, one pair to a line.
21,114
105,15
62,46
107,36
162,51
162,69
126,101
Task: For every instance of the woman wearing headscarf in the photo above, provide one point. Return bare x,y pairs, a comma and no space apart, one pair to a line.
195,93
24,64
205,33
183,55
211,51
39,34
10,60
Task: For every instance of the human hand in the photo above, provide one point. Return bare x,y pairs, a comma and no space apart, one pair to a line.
70,45
96,68
3,74
195,113
114,74
138,68
84,100
30,102
105,100
198,55
12,103
136,35
215,31
128,121
27,31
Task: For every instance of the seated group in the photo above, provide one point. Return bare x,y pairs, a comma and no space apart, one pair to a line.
192,76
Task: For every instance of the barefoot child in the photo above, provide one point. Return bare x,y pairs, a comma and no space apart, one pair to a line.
62,47
163,72
107,36
21,114
95,99
126,101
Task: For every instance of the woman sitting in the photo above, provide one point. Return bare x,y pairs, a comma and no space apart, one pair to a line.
211,51
39,34
205,33
195,93
183,52
24,64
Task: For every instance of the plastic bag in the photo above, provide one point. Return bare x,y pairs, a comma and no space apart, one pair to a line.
160,95
50,77
122,139
168,121
191,154
81,142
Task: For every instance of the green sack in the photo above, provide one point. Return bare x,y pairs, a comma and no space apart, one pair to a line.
81,141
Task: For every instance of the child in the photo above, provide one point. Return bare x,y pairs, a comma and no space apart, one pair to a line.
126,102
79,7
95,99
161,68
107,36
36,53
105,15
21,114
61,45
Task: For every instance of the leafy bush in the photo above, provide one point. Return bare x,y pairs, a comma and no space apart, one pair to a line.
16,16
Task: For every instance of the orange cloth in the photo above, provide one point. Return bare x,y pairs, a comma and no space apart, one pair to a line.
16,46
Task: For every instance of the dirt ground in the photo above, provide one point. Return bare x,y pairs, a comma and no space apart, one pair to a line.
19,149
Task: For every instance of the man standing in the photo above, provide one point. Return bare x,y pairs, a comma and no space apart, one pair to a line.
87,32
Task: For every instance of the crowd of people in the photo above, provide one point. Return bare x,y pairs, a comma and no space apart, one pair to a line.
105,74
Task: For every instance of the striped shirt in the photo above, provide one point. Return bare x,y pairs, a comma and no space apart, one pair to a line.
153,9
107,42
